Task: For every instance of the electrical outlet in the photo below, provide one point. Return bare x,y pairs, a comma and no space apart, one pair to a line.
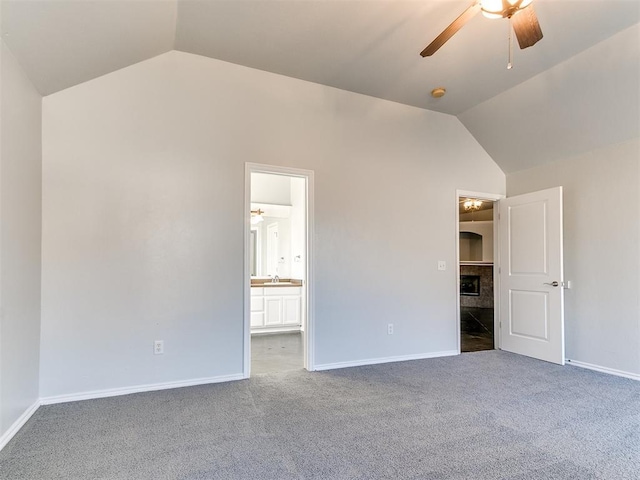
158,347
442,265
390,329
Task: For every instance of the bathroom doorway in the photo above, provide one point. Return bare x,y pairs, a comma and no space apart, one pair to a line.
476,253
278,318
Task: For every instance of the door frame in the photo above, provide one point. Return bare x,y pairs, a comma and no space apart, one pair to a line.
490,197
308,332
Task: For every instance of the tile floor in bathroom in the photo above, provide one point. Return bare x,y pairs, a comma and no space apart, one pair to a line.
276,352
476,329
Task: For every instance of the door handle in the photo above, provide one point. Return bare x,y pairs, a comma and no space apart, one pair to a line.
553,284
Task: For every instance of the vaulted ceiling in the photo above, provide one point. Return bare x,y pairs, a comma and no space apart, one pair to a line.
573,91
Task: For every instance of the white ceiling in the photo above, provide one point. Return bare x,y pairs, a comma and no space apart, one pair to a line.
61,43
582,104
366,46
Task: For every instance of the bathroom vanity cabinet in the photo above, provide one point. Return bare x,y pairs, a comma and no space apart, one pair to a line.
275,308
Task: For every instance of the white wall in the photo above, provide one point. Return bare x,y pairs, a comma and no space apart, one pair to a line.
601,251
479,216
143,219
20,225
267,188
484,228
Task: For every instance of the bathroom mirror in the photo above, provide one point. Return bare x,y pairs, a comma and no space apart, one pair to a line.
270,248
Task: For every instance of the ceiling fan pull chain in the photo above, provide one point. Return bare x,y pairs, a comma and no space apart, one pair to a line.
509,63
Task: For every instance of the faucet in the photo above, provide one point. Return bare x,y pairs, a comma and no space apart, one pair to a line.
275,279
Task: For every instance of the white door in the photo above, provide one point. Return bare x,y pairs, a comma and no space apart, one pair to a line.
531,275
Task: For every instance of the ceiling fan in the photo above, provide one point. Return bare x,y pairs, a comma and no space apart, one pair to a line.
519,12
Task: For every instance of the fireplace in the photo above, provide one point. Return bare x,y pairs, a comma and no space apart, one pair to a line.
470,285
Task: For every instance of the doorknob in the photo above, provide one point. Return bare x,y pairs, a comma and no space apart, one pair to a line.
553,284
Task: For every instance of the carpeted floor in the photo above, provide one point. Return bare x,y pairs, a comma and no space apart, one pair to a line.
485,415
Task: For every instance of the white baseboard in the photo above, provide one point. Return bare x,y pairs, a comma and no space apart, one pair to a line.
113,392
598,368
18,424
375,361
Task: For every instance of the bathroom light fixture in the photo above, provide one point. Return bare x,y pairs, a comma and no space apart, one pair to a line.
256,216
472,205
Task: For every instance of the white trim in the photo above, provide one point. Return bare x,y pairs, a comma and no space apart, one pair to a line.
376,361
268,330
114,392
491,197
308,330
598,368
18,424
246,274
308,325
497,321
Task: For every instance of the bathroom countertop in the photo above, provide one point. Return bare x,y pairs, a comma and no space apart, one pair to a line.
284,282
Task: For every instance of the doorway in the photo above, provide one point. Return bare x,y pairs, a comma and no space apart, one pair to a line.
476,273
278,319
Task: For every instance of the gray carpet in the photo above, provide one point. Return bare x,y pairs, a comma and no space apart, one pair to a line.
486,415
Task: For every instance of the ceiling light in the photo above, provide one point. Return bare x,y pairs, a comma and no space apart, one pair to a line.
438,92
471,205
492,8
502,8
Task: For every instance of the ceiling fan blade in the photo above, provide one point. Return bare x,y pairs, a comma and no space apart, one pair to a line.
527,28
448,32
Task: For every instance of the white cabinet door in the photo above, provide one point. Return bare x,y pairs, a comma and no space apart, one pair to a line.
291,310
273,310
257,319
257,311
257,304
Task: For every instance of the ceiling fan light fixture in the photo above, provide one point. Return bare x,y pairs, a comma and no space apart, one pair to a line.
523,22
491,15
502,8
492,8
